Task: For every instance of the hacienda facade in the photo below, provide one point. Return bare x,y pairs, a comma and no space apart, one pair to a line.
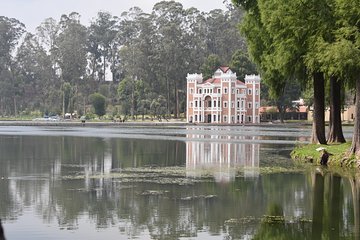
223,98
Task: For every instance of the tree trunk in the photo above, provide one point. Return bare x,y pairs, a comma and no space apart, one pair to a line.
177,102
15,106
281,113
318,129
355,190
335,134
168,94
355,147
334,207
132,110
63,102
104,69
318,207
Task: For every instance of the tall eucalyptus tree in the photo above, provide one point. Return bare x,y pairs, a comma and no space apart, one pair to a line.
103,44
71,54
35,72
172,49
11,30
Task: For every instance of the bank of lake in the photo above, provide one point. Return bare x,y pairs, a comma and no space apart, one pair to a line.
339,156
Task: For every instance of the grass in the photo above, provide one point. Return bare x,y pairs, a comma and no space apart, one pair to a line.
339,155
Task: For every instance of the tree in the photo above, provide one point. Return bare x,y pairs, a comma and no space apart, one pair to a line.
99,103
347,50
241,64
283,46
71,48
11,31
68,98
211,64
71,54
158,107
35,74
103,44
222,39
172,49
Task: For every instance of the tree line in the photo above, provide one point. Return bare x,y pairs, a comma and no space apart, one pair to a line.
136,61
311,42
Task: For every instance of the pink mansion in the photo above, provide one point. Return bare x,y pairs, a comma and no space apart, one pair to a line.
223,98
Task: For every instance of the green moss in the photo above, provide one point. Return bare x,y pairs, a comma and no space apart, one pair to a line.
339,156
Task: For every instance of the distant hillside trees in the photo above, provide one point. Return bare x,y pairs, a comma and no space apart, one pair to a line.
58,67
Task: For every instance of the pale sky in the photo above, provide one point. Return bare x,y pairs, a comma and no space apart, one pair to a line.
33,12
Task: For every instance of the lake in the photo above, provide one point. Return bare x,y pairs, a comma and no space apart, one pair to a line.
179,182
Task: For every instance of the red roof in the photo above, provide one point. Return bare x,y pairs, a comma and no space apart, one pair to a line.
213,80
224,69
239,82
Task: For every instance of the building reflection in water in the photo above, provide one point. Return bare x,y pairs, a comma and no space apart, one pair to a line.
221,156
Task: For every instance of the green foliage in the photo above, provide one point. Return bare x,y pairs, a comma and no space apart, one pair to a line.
68,96
99,103
158,107
71,48
241,64
159,48
210,65
11,30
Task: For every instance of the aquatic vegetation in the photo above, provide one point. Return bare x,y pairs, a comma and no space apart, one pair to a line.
272,219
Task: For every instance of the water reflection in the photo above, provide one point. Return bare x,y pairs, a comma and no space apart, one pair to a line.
221,159
44,191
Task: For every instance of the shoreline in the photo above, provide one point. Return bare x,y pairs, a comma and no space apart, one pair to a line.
171,123
338,156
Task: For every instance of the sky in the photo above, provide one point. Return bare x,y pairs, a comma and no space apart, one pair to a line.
33,12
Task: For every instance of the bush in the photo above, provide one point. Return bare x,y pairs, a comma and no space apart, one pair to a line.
99,103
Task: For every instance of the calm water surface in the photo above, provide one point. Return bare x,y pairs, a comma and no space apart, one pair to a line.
169,183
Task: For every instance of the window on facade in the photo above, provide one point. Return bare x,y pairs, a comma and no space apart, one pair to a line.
195,118
191,104
225,104
219,90
237,91
232,119
196,103
214,103
233,91
214,117
218,118
225,90
249,105
242,103
191,90
238,104
225,119
249,118
199,103
209,104
200,90
256,105
256,92
200,118
249,91
232,105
